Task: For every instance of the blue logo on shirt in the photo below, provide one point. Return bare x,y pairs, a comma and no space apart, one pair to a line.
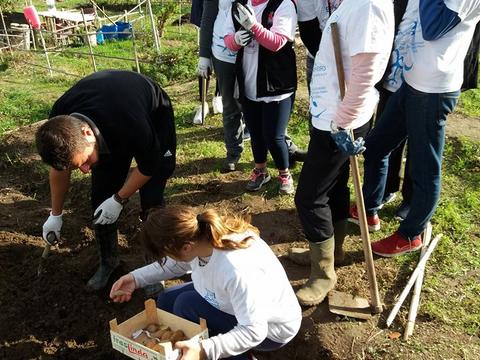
211,299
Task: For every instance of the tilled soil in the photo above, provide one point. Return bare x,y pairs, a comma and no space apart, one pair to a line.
52,316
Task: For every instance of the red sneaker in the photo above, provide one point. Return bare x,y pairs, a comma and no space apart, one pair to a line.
373,221
395,245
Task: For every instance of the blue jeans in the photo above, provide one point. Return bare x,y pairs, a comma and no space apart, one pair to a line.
267,123
421,117
184,301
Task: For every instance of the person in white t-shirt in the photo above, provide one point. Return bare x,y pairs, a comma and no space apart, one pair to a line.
323,198
428,57
312,17
238,285
263,32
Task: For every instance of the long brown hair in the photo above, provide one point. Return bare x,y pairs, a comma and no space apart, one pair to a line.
167,230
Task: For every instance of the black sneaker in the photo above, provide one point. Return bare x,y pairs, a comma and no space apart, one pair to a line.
258,178
402,211
229,165
387,199
299,155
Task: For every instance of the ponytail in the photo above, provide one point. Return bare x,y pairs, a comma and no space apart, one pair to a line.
167,230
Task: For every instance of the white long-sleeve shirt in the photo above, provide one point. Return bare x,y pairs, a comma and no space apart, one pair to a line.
250,284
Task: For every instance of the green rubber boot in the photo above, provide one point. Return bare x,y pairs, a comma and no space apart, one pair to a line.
106,237
339,233
322,273
301,256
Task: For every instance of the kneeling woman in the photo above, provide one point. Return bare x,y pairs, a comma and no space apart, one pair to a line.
238,285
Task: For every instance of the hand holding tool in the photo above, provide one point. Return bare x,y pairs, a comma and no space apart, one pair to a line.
53,224
204,67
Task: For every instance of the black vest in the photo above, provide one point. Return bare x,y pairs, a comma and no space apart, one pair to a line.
277,71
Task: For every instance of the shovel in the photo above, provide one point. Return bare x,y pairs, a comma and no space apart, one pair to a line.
338,302
203,97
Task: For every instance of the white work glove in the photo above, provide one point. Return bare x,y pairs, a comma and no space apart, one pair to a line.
204,67
53,224
245,16
243,37
107,212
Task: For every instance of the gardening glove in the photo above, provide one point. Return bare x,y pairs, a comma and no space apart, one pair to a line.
204,67
344,142
243,37
53,224
245,16
107,212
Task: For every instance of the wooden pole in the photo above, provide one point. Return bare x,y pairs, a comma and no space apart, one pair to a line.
420,267
180,17
45,52
154,28
102,11
6,32
135,51
92,57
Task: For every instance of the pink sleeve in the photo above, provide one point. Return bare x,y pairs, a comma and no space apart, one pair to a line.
364,68
268,39
230,42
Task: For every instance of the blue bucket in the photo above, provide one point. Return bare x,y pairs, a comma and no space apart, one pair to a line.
124,30
100,37
110,32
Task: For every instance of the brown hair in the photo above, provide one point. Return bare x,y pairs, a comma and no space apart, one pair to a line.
59,139
167,230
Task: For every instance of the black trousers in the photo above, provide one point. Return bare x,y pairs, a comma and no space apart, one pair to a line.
112,170
323,195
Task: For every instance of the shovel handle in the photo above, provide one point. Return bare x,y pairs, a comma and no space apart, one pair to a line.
376,303
203,97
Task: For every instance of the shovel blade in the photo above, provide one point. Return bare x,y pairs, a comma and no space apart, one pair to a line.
348,305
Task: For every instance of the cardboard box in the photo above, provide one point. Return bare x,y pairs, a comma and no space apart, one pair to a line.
121,333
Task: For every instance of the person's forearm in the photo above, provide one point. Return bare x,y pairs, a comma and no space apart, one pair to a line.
59,184
268,39
365,73
209,15
134,182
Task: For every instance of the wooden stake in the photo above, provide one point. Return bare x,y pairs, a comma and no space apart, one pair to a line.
420,267
412,313
135,51
45,51
6,33
154,28
92,58
102,11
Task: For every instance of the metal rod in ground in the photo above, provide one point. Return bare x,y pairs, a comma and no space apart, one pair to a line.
420,267
90,49
154,28
6,32
412,312
42,40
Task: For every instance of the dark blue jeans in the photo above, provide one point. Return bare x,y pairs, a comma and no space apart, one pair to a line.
421,117
184,301
267,123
